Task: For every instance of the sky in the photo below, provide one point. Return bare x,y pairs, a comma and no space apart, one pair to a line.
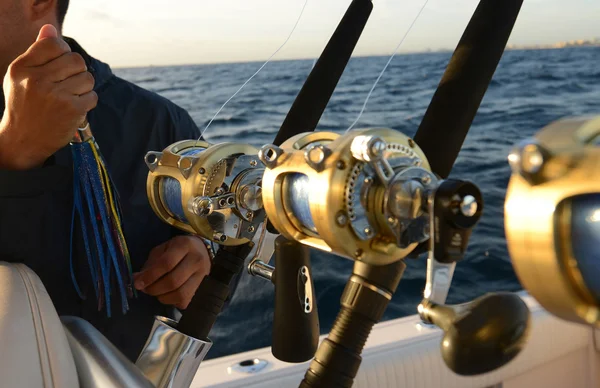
126,33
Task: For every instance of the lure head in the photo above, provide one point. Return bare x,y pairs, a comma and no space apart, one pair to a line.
210,190
83,133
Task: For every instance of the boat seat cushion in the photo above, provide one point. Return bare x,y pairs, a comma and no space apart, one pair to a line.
34,352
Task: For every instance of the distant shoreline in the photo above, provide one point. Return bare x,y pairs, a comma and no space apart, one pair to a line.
570,44
556,46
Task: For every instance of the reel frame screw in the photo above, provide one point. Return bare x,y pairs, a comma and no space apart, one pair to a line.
341,219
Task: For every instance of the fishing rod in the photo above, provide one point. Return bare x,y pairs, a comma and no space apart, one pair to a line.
371,195
441,133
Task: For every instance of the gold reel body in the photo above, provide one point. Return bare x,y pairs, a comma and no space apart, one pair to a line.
552,173
322,190
209,190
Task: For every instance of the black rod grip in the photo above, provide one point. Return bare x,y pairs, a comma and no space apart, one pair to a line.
465,82
364,301
296,321
314,96
206,305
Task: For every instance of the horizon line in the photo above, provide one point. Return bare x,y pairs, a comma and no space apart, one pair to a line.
427,51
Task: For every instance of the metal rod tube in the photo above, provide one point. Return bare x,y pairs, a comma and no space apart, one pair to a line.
99,363
170,359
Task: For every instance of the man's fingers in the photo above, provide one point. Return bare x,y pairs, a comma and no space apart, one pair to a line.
162,265
86,102
182,297
78,85
155,254
47,31
65,66
189,266
44,51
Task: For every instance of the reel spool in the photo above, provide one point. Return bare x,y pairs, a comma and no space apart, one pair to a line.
210,190
362,195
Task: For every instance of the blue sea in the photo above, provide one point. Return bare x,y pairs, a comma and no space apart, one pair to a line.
530,89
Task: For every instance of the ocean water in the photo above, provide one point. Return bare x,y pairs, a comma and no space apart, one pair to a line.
530,89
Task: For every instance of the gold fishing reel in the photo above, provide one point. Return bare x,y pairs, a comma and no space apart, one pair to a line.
361,195
552,218
210,190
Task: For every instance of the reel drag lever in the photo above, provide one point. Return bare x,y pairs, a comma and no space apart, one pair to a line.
482,335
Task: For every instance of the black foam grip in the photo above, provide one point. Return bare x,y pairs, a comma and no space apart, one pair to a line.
337,361
206,305
314,96
295,327
338,358
463,86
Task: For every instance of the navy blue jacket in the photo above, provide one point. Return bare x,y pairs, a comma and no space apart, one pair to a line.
36,205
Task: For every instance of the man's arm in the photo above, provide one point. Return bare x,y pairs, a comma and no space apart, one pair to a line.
46,97
48,92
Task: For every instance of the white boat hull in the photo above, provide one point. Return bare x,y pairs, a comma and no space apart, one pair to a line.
403,353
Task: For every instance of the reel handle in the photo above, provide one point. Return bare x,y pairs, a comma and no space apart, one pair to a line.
296,321
454,209
482,335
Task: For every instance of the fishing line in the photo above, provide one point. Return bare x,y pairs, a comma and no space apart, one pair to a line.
386,66
258,71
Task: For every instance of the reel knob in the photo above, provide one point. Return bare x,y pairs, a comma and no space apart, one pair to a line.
482,335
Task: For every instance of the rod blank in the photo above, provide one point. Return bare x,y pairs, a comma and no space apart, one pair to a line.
314,96
465,82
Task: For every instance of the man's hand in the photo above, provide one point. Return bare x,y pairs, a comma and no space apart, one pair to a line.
48,92
174,271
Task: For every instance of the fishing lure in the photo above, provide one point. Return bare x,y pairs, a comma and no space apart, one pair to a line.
96,203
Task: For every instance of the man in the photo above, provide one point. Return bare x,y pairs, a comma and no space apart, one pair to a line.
51,84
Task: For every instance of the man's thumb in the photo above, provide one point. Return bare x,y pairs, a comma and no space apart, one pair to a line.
47,31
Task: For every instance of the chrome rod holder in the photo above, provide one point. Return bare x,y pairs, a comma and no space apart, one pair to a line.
170,359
